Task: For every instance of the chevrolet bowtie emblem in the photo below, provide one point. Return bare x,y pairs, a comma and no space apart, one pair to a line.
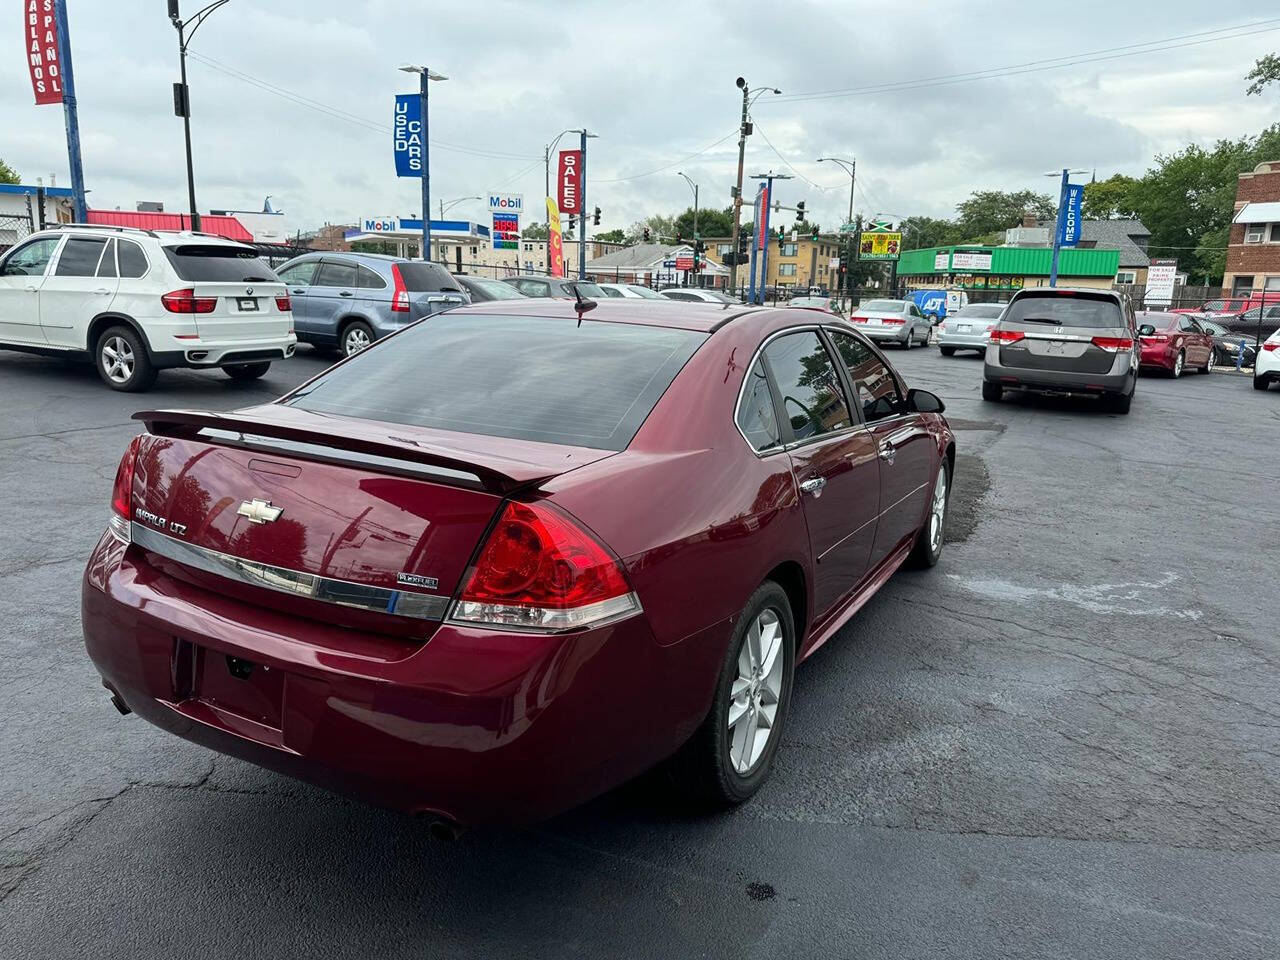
259,511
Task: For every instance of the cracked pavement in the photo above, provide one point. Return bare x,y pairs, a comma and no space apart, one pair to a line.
1064,741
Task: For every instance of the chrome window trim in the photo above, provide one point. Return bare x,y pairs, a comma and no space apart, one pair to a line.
343,593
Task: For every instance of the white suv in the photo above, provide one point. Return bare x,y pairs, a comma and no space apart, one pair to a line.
137,301
1266,366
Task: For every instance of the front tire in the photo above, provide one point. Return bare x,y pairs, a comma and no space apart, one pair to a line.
123,361
1178,363
928,545
992,392
247,371
730,755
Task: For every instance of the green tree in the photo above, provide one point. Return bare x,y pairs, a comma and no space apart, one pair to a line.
711,223
921,232
1266,70
534,231
8,174
611,236
662,229
992,211
1110,199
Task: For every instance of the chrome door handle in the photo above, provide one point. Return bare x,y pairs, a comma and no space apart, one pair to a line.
345,293
31,288
887,452
102,290
813,485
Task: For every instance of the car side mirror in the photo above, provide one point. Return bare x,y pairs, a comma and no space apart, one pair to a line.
922,401
1146,330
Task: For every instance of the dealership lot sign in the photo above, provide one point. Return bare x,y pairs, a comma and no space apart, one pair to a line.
42,51
406,133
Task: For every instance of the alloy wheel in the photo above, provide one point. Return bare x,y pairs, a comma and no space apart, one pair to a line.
756,692
117,360
1177,366
938,509
1212,362
356,340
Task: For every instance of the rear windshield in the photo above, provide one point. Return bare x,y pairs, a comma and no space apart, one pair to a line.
644,293
419,276
984,310
1161,321
529,378
497,290
586,289
219,263
885,306
1068,311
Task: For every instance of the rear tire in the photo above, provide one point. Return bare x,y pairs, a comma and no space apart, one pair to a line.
713,767
356,336
1210,362
1261,383
948,351
992,391
1120,402
123,361
247,371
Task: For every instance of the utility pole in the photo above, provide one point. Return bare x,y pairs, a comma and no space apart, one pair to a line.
582,212
70,114
182,93
744,130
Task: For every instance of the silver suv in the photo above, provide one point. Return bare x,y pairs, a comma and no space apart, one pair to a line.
349,300
1062,341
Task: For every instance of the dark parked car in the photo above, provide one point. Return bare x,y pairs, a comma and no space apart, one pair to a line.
349,300
484,289
1227,345
1056,340
486,590
561,288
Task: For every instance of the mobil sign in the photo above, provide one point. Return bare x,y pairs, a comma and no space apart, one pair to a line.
506,203
380,225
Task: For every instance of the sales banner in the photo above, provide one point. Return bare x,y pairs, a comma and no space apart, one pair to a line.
42,51
879,246
406,133
555,245
569,181
1071,218
762,209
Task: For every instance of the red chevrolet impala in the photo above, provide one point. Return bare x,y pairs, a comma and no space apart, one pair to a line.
516,554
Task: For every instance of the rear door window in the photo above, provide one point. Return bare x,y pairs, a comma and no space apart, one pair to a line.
1066,311
591,385
107,265
219,263
808,384
79,258
336,273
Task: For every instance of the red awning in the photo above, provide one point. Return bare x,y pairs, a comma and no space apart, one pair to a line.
228,227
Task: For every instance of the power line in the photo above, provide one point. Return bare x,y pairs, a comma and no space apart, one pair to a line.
1054,63
674,163
339,114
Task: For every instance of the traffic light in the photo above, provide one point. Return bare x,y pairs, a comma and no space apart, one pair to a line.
596,218
679,237
744,245
799,211
646,234
699,249
782,237
572,222
815,234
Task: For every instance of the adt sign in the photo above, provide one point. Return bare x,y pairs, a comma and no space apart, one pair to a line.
1069,223
406,132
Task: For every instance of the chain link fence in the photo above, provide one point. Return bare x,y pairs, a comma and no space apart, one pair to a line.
14,228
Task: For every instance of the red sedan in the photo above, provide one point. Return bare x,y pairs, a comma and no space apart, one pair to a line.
1173,342
514,555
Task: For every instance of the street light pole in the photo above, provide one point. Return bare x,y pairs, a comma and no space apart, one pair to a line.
694,187
182,98
743,131
452,203
546,160
425,74
850,167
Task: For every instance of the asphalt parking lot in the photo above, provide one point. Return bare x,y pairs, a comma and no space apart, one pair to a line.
1064,741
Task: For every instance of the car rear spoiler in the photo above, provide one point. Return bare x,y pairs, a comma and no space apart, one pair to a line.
496,474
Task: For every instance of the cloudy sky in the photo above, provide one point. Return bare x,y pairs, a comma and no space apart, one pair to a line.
655,81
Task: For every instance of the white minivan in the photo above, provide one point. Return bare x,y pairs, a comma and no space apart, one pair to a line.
136,301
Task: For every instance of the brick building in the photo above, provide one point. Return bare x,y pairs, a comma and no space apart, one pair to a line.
1253,250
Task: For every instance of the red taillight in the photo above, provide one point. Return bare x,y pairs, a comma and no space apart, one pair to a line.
283,304
1271,347
186,301
399,296
1113,344
541,570
1156,337
892,321
122,492
1006,336
858,319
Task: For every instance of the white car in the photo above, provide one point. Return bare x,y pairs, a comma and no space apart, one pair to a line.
898,320
969,328
629,291
136,301
697,295
1266,367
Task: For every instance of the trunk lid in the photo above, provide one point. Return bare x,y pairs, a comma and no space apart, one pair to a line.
330,519
243,311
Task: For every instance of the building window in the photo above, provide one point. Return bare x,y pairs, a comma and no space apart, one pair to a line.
1273,235
1253,232
723,248
1242,286
789,249
1271,285
786,269
474,251
1126,276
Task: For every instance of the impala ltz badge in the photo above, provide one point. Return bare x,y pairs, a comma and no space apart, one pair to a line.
259,511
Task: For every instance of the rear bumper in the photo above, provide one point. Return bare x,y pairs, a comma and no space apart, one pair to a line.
1121,378
200,353
474,725
898,334
1267,364
964,341
1159,356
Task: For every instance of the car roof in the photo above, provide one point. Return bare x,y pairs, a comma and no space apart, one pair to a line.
1066,292
166,238
702,317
